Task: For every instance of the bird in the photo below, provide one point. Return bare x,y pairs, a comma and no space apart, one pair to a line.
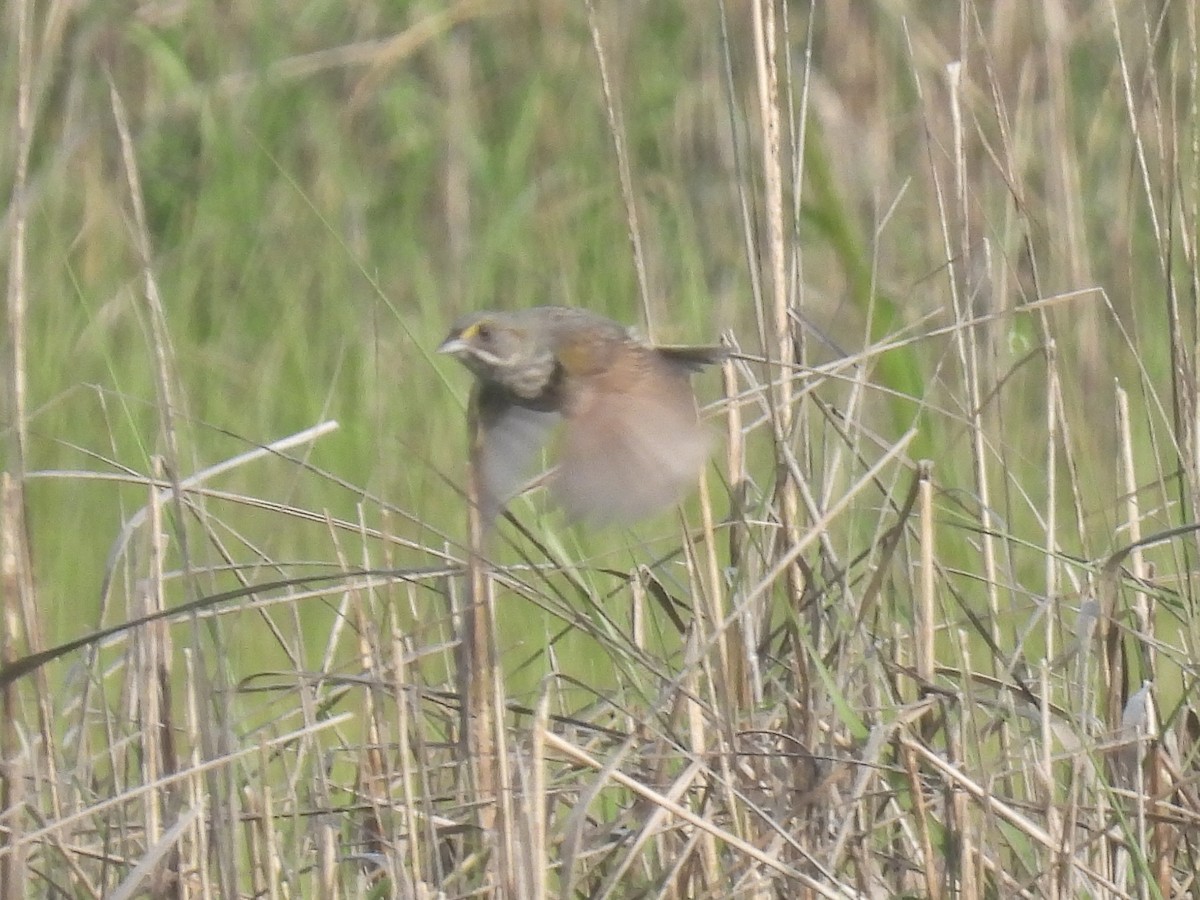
630,442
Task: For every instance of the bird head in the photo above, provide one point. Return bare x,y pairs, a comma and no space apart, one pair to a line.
503,348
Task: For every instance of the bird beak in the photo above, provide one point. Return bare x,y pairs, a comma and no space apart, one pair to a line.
452,345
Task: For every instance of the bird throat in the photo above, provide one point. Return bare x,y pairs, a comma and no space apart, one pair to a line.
535,380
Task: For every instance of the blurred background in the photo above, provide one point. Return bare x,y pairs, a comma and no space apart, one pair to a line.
228,224
327,187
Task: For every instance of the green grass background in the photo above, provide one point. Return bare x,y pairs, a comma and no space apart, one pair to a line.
328,187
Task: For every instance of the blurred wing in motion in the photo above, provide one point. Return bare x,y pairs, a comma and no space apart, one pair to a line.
633,444
509,440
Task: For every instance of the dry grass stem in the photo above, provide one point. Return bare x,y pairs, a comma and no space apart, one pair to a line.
928,626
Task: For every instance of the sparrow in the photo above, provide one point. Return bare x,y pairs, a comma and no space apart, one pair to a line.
631,442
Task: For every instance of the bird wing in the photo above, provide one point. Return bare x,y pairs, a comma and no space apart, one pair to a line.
633,442
507,446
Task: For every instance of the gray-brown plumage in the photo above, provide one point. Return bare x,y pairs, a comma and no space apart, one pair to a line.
632,443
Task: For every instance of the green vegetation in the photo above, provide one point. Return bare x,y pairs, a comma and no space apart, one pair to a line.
860,676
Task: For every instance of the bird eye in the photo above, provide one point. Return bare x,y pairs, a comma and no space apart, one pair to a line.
483,332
